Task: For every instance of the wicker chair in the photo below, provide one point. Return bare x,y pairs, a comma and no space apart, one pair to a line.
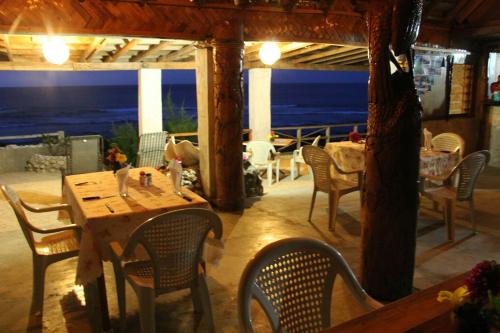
63,242
263,156
174,243
321,162
297,158
292,280
467,171
449,142
151,149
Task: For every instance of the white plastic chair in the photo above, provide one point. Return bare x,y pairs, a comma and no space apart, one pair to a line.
174,244
62,243
292,280
298,158
151,149
449,142
263,156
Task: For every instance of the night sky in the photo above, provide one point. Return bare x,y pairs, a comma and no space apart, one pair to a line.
96,78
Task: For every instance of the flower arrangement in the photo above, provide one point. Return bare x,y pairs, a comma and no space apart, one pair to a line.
477,303
272,136
116,158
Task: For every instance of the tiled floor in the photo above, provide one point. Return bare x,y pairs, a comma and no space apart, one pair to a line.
281,212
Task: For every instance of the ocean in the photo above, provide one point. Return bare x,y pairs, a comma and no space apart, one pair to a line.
87,110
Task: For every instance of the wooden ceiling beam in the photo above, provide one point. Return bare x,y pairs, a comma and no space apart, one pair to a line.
184,52
94,47
153,49
307,49
287,65
284,48
350,61
121,51
87,66
471,7
324,54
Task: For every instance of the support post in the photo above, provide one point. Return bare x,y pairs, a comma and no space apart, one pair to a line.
150,104
228,115
205,104
390,193
259,102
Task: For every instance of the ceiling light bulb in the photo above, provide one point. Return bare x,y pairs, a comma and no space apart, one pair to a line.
55,50
269,53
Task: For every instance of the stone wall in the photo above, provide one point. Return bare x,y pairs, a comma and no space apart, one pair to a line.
461,89
46,163
13,158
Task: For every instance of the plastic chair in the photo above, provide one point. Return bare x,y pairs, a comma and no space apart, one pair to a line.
298,158
292,280
467,171
321,164
260,156
63,243
174,244
449,142
151,149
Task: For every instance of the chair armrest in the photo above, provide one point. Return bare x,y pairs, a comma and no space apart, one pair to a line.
116,250
276,155
436,178
57,229
46,209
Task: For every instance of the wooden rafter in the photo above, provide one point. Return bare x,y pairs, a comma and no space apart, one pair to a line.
184,52
94,47
353,60
7,48
253,54
310,48
468,11
319,55
153,49
120,51
342,56
88,66
286,65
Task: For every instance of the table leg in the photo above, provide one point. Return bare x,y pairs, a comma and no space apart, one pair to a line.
103,303
450,218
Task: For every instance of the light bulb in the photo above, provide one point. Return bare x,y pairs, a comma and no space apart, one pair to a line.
55,50
269,53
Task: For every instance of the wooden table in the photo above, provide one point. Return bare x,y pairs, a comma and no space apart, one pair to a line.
114,218
419,312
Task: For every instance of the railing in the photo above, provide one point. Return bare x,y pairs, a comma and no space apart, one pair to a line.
59,134
299,135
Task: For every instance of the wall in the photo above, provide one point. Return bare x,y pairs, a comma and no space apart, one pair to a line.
461,89
13,158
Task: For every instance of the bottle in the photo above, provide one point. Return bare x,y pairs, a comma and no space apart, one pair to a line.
149,179
142,178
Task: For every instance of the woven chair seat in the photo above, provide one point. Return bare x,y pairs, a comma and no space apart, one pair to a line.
441,193
343,185
60,242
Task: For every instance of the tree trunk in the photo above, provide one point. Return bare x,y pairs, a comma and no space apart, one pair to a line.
390,194
228,115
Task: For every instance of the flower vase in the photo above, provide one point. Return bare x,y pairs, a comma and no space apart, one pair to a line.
121,178
175,167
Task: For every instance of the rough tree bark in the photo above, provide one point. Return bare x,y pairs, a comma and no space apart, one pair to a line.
228,115
390,194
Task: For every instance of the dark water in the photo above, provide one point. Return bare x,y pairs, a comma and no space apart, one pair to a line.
92,110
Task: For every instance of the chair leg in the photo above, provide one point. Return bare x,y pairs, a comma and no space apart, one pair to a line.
277,171
205,301
333,202
269,174
146,298
449,207
292,169
39,267
472,215
120,291
312,205
195,296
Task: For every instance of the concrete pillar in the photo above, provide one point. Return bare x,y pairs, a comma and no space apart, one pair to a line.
205,106
150,103
259,102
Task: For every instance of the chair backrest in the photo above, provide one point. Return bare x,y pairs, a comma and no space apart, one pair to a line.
316,141
292,279
320,162
260,151
468,172
15,203
151,149
174,243
450,142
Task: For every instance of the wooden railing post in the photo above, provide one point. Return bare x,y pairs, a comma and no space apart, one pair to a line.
299,137
327,134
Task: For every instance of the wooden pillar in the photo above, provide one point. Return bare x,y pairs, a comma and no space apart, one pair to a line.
259,102
150,103
390,197
228,115
205,106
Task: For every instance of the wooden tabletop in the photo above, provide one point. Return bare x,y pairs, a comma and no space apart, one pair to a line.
419,312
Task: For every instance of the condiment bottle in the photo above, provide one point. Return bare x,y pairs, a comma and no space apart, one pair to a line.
149,179
142,178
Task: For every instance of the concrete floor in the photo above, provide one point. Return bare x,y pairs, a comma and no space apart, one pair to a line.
280,213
